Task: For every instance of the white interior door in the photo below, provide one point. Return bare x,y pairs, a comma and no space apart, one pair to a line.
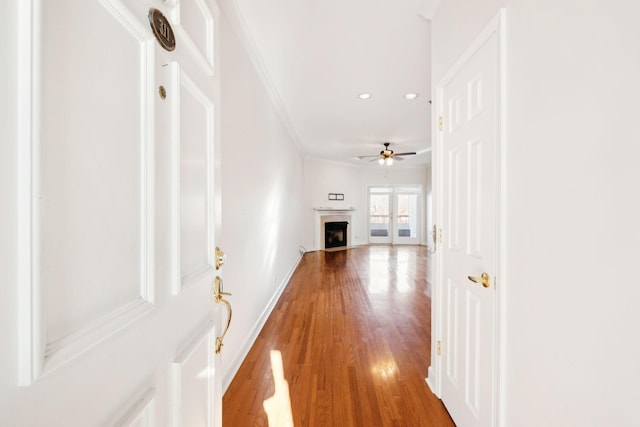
467,162
116,317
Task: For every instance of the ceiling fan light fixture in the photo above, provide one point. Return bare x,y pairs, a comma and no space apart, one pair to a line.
410,96
364,95
389,161
381,161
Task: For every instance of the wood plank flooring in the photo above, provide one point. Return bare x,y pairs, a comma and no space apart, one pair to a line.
352,329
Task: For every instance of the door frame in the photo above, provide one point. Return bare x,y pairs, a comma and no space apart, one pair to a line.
495,27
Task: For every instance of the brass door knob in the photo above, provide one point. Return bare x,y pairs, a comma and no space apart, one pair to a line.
217,290
221,258
217,297
482,280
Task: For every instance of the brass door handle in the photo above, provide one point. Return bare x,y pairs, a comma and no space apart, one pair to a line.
483,280
217,298
221,258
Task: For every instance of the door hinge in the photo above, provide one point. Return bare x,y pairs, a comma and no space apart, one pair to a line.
441,123
439,348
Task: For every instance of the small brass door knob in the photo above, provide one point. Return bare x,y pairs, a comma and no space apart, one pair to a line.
483,280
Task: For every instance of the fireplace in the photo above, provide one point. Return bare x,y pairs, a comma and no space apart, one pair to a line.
328,215
335,234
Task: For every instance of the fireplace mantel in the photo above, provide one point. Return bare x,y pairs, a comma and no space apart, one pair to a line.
321,209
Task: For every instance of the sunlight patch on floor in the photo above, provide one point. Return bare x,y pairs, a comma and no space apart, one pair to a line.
278,406
385,369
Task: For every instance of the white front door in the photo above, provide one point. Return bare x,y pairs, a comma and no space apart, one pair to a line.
117,216
467,263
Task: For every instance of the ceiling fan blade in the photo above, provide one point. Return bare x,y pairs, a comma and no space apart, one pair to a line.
376,159
403,154
367,157
397,158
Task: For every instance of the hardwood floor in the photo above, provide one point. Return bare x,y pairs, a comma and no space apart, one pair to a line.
352,329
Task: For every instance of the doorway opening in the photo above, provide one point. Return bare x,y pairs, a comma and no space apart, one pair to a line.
395,213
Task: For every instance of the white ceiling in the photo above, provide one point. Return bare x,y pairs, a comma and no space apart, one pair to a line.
319,55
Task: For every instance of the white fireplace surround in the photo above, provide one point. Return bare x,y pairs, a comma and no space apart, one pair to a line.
324,215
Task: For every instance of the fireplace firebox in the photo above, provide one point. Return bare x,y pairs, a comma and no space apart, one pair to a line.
335,234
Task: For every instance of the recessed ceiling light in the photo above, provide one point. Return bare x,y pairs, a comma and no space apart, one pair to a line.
364,95
410,96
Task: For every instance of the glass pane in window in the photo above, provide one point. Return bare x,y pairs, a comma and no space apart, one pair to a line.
379,215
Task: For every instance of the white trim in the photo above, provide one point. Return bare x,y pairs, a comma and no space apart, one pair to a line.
204,59
257,327
173,69
30,346
62,350
142,409
501,229
495,26
429,380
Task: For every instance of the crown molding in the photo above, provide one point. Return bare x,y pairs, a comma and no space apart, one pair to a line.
239,24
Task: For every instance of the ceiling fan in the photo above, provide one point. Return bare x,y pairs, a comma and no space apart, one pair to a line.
387,155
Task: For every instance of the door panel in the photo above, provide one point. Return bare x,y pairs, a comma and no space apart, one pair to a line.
475,199
93,209
193,373
453,201
196,18
452,332
142,412
196,138
468,150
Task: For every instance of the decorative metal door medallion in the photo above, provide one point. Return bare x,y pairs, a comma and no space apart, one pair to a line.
162,29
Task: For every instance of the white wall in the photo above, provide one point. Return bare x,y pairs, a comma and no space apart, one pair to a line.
323,177
8,199
262,197
571,340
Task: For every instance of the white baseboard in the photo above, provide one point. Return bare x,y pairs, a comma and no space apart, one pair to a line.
248,343
431,375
